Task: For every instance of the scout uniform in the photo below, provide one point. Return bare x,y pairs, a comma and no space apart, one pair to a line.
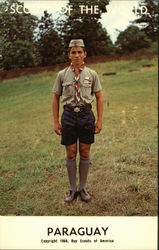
77,92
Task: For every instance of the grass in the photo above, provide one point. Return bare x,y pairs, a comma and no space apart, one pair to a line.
123,173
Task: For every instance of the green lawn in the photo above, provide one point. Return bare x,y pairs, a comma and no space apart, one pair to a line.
123,173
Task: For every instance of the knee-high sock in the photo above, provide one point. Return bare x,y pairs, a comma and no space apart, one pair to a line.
83,173
71,171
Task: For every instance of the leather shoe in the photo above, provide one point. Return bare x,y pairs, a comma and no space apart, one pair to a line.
84,195
72,195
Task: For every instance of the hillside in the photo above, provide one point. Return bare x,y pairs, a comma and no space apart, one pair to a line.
140,54
123,173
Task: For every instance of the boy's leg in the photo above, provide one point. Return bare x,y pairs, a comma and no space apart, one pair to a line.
86,138
71,152
69,139
84,150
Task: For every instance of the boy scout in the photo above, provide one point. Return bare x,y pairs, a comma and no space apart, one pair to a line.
77,85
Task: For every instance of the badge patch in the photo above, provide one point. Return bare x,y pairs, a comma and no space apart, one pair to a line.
87,78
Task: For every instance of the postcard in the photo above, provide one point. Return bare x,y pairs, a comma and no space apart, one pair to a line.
78,124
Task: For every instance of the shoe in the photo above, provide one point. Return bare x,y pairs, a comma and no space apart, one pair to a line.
72,195
84,195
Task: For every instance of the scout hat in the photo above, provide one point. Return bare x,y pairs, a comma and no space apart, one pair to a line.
76,43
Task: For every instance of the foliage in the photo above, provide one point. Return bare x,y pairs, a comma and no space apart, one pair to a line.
17,33
131,39
26,41
87,27
1,44
49,43
149,22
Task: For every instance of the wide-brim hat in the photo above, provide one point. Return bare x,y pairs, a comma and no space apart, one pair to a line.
76,43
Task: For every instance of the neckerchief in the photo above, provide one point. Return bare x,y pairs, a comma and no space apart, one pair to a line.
77,82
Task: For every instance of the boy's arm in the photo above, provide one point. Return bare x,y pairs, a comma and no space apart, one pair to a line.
55,110
99,105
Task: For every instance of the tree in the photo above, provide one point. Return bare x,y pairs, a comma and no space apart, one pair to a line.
131,39
17,32
49,43
149,22
1,44
87,26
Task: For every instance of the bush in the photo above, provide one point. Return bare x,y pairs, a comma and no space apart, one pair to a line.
131,40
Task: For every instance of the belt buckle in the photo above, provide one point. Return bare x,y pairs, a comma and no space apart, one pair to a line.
76,109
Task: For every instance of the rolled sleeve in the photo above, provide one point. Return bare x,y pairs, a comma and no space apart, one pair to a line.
57,88
96,83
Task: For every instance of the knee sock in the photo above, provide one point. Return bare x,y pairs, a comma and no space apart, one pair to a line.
71,171
83,173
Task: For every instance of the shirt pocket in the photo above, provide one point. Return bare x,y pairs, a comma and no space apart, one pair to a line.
86,89
67,89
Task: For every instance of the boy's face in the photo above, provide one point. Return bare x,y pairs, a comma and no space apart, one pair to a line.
77,55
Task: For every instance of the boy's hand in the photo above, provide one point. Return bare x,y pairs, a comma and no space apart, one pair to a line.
57,128
98,127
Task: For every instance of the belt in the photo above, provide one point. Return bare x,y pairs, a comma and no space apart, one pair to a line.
77,109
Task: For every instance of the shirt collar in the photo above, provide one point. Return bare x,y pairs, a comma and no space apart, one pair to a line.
80,68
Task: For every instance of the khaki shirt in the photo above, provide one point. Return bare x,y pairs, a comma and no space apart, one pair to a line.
89,85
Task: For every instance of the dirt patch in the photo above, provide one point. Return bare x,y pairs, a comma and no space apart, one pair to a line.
4,74
8,74
109,73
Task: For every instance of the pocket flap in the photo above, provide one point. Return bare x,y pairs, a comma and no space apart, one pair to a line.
66,84
86,84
